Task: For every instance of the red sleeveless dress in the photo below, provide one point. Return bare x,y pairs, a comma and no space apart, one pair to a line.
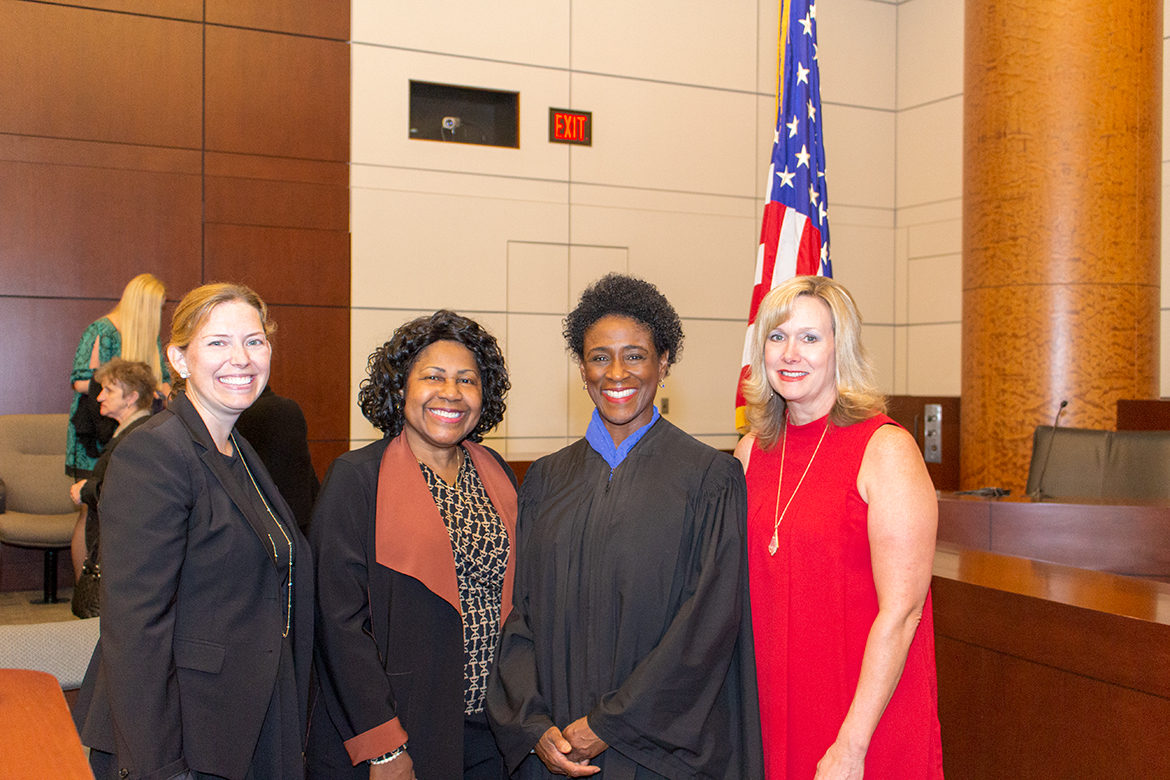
813,604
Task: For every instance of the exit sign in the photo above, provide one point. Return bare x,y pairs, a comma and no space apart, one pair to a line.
570,127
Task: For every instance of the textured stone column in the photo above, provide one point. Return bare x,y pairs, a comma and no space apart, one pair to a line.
1061,221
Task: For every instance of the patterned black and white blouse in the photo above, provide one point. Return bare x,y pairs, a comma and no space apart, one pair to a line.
480,543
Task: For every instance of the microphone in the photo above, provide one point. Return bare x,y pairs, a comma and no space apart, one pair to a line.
1039,492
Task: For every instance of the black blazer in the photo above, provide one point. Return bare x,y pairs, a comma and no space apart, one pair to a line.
192,608
275,427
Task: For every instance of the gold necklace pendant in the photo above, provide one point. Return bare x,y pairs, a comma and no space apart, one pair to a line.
774,545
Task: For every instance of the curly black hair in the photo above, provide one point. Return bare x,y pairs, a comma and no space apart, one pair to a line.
381,396
626,296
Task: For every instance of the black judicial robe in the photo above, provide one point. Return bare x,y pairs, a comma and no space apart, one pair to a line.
630,607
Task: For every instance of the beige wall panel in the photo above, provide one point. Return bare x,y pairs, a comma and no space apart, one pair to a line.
659,41
859,146
844,214
930,51
931,239
529,32
701,386
381,114
587,264
664,136
718,253
767,47
901,275
935,360
879,342
538,403
765,140
948,209
930,152
863,262
111,76
413,180
1164,379
538,278
936,289
856,41
1165,103
1164,254
415,250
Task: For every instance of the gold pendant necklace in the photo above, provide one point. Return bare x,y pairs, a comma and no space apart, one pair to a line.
774,545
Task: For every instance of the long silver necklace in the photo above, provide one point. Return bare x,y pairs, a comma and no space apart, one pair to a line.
774,545
287,539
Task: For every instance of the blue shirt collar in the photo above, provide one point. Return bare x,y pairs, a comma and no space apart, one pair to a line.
599,438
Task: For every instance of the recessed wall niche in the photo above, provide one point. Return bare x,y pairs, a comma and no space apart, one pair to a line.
464,115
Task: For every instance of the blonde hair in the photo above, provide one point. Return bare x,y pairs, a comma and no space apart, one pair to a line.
196,307
857,395
139,314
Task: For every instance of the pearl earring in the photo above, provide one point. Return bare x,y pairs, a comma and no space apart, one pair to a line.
183,374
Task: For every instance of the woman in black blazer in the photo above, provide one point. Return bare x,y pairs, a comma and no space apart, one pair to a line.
414,543
207,620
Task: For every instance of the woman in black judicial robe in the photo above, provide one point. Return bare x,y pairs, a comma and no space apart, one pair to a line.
628,650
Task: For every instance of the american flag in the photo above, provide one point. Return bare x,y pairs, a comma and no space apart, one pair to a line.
794,239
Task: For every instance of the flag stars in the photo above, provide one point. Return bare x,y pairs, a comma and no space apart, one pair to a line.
801,74
792,127
806,23
812,10
786,178
812,112
822,212
813,195
802,157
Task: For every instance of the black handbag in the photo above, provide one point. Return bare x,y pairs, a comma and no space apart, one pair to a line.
86,600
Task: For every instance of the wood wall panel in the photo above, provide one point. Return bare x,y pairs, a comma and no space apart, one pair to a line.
319,18
38,337
324,453
310,364
257,102
279,199
190,10
909,411
307,267
106,171
82,231
94,75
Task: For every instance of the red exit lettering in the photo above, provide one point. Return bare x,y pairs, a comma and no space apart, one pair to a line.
569,127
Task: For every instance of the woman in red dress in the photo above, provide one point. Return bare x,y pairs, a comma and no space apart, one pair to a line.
842,519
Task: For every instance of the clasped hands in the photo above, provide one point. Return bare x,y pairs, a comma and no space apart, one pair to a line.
569,752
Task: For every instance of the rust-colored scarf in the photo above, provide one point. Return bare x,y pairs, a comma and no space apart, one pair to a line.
409,532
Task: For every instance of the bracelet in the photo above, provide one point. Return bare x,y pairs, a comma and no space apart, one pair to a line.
388,757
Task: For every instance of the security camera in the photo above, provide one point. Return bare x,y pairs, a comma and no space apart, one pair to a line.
451,122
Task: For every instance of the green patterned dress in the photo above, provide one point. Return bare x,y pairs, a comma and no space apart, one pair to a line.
78,463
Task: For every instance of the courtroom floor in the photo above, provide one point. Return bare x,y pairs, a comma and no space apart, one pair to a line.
16,607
